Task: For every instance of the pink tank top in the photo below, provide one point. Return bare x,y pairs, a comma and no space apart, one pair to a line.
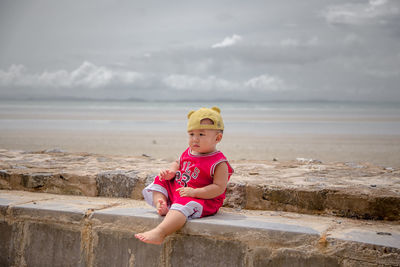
198,170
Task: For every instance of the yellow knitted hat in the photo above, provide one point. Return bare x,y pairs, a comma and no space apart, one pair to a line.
213,114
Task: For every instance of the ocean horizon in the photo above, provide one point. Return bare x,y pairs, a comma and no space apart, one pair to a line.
258,118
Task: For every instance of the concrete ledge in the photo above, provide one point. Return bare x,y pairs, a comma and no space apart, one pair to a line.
39,229
362,191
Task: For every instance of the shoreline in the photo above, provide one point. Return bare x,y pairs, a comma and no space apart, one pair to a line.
383,150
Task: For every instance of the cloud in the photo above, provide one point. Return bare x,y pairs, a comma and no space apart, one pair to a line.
228,41
352,39
12,76
265,83
91,76
260,83
187,82
372,12
292,42
379,73
87,75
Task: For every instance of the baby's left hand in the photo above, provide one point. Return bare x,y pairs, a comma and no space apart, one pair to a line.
186,191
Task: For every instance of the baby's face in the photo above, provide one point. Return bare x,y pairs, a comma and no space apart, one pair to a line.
204,141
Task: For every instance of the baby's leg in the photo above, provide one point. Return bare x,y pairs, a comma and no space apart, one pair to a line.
160,202
173,221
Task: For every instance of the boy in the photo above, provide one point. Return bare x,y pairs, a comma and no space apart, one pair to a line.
194,186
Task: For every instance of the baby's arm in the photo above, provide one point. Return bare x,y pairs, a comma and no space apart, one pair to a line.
210,191
169,174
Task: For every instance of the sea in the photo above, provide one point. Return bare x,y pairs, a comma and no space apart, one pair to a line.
253,118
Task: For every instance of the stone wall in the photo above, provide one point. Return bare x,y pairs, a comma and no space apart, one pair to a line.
350,190
38,229
95,208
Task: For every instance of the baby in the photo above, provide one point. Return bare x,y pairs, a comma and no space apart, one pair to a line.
194,186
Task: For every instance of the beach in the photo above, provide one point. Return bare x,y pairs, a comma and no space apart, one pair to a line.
381,150
77,170
272,131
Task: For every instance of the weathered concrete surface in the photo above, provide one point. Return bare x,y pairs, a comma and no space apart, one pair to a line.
6,244
51,245
352,190
119,248
100,232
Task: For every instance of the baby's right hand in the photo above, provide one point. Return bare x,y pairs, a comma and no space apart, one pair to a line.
166,174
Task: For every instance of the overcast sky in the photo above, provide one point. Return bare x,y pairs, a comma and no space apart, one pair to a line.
234,49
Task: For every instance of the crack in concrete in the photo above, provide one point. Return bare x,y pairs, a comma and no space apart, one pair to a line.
89,212
87,234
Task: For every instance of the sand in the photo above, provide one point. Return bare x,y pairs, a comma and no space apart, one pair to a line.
380,150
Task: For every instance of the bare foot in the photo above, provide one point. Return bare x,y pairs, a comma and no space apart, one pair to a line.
162,208
154,236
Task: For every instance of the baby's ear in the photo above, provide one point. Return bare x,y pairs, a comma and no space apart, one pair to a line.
219,137
190,114
216,109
